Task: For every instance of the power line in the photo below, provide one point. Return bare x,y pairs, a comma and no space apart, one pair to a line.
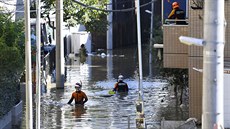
87,6
121,10
120,2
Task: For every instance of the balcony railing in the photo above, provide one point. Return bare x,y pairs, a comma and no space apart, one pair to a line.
176,22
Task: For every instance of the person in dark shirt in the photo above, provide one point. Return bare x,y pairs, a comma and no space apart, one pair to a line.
50,39
177,13
121,86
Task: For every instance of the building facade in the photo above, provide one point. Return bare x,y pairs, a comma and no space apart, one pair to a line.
177,55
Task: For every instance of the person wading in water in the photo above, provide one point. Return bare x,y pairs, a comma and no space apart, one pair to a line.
79,96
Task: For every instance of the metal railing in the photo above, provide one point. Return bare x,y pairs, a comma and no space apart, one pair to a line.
176,22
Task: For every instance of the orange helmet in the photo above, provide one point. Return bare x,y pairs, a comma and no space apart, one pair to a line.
175,5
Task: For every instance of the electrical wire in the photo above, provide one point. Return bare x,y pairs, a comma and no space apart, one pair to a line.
122,10
91,7
120,2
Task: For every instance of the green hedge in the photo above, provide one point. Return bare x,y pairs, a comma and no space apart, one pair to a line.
11,62
11,67
9,97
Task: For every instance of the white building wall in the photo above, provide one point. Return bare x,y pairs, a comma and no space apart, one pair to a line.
78,38
226,100
16,7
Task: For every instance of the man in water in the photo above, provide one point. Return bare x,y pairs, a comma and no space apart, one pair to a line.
79,96
121,86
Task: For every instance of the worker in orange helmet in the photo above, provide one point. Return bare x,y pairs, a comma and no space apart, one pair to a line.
177,13
79,96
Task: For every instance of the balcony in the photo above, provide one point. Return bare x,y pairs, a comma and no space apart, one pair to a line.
175,54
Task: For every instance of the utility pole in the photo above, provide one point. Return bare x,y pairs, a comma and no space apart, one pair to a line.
151,39
29,111
109,64
59,46
213,65
140,120
38,65
110,26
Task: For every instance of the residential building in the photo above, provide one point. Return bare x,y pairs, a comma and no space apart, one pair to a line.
177,55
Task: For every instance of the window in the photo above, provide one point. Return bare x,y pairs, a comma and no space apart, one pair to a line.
175,12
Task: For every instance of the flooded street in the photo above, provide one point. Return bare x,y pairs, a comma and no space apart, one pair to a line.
98,75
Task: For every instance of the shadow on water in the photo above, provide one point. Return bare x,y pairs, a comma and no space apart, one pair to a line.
98,75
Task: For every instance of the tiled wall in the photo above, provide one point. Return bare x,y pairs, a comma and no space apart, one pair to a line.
195,87
175,53
175,60
195,59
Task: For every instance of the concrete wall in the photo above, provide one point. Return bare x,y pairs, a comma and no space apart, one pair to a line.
78,38
5,122
226,100
13,117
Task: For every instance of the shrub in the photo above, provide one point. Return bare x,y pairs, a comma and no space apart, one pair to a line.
11,62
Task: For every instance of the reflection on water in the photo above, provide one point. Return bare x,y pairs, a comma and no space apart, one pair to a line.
98,75
78,110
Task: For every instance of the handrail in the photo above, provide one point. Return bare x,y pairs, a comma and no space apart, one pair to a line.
174,21
168,20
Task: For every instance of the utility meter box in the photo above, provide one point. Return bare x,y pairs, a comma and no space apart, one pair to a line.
140,118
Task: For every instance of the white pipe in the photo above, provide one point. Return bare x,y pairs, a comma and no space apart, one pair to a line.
213,67
191,41
158,45
29,111
38,65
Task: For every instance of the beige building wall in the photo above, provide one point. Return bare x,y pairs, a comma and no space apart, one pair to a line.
196,61
177,55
